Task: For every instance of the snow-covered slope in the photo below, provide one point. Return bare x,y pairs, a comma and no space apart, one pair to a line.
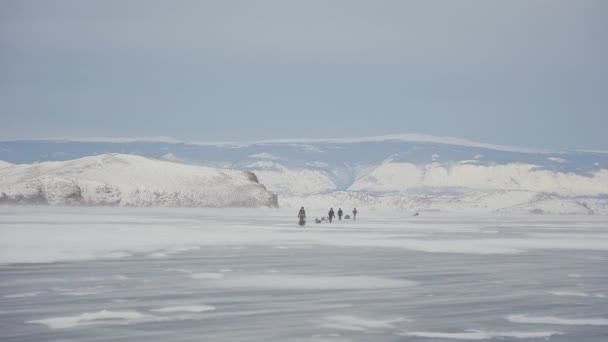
283,180
127,180
516,202
271,171
403,177
398,164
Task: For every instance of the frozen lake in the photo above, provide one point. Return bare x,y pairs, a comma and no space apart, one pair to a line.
159,274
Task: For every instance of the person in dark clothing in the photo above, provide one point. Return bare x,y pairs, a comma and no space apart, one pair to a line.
331,214
302,216
340,213
355,214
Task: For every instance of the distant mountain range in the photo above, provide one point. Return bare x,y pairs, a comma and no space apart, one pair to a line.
409,165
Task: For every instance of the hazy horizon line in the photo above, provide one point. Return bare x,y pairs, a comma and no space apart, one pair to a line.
405,137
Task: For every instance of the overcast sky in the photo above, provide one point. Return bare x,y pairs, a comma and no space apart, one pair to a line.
524,73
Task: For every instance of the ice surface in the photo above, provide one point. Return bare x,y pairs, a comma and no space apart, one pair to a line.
100,317
295,282
24,294
384,277
482,335
360,324
207,276
576,294
24,234
186,308
557,320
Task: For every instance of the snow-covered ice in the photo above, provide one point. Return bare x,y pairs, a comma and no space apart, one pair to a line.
482,335
94,318
24,294
557,320
78,273
360,324
186,308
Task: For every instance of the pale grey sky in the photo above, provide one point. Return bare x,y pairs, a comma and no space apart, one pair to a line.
527,73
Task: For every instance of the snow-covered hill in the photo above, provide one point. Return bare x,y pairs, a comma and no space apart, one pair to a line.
403,177
409,164
286,181
4,164
127,180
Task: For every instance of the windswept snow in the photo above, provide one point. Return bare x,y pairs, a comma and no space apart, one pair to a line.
103,317
128,180
385,277
360,324
207,276
23,295
470,335
24,236
295,282
557,320
186,308
576,294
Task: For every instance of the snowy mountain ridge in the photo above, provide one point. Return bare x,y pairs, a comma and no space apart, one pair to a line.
127,180
401,177
409,165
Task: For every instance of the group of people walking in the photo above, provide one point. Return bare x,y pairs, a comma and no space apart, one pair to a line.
331,215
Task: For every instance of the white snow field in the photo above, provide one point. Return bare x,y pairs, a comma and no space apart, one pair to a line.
177,274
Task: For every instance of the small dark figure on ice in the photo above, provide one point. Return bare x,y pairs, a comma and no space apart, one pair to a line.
331,214
302,216
340,213
355,214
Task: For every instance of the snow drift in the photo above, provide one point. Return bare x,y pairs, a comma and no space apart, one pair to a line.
128,180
